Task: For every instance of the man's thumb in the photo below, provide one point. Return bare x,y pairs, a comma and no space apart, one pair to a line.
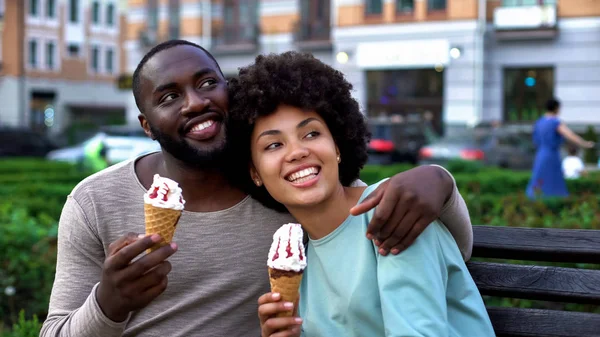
368,203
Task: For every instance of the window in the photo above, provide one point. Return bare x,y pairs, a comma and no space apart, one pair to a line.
51,9
526,91
110,54
1,9
96,12
110,15
405,6
314,20
174,19
436,5
74,11
374,7
50,57
513,3
34,7
33,50
95,59
73,50
240,18
152,8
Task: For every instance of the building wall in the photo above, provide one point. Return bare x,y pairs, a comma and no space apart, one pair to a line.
72,80
574,54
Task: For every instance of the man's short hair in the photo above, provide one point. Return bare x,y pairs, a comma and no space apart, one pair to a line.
552,105
136,85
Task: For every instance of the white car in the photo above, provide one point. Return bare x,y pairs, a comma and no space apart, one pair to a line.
121,144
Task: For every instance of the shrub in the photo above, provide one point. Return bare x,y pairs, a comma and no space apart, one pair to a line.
590,156
24,327
27,262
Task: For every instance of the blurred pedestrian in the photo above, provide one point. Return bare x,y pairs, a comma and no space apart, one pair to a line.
549,133
95,155
572,165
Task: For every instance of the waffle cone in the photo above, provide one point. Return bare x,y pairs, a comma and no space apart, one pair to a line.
162,221
287,285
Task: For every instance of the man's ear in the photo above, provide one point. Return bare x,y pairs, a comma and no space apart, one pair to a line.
254,175
146,126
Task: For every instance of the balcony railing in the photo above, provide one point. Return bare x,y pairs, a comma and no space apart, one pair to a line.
526,19
313,31
237,34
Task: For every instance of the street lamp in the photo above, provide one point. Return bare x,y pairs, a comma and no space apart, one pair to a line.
342,57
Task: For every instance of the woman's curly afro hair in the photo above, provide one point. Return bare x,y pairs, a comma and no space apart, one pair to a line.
299,80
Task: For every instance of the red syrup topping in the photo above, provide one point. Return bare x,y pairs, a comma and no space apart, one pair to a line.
166,192
154,193
300,251
288,249
276,256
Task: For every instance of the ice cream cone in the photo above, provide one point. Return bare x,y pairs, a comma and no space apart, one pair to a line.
287,284
162,221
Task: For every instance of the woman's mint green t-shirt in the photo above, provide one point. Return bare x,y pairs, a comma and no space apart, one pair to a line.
348,289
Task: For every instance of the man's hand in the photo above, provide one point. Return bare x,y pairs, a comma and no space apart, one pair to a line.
269,305
127,286
406,204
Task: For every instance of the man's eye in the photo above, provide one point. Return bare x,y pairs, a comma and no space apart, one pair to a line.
273,146
312,134
168,97
207,83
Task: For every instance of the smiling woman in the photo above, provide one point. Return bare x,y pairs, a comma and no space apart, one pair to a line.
307,144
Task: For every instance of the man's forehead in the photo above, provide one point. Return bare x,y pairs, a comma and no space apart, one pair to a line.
178,59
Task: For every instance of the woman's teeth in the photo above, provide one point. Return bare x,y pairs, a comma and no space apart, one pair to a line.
202,126
303,175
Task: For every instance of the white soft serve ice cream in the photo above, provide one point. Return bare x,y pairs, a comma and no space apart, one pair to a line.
287,249
164,193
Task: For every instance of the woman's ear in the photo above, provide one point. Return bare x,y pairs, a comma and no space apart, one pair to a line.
337,153
255,177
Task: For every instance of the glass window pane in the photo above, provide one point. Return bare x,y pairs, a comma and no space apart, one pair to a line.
51,8
403,6
33,7
50,55
436,4
74,11
525,93
33,53
374,7
109,60
96,12
110,15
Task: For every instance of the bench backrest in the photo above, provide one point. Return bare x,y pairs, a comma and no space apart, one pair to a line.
545,283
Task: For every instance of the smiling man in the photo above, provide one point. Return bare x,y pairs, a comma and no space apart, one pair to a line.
106,286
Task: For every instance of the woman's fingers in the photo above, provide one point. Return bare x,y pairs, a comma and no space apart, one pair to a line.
282,326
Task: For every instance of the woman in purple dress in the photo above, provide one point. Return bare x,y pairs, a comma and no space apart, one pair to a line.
549,133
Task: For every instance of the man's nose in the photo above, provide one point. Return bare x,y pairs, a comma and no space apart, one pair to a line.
194,103
297,151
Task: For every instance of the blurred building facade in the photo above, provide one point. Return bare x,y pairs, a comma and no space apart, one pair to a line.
60,62
460,61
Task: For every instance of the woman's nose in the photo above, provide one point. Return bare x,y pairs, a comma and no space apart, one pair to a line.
297,152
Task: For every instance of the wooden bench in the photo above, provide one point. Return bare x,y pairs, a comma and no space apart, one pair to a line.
534,282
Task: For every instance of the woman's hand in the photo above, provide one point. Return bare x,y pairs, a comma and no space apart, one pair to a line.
269,305
588,144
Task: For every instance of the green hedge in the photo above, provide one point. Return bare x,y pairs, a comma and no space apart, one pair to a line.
33,192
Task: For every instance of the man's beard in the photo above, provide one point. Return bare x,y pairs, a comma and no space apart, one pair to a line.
180,149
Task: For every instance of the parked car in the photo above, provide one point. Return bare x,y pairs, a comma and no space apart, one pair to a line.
398,142
21,142
500,148
122,143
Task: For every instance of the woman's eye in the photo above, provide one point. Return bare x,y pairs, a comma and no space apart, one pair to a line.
207,83
272,146
312,134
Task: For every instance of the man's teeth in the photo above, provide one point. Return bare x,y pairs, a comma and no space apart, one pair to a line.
202,126
303,175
